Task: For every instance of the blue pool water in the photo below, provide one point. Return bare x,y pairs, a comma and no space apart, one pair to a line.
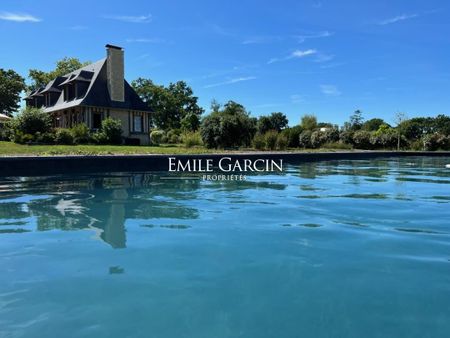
328,249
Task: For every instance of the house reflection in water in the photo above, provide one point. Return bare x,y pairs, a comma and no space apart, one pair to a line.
102,203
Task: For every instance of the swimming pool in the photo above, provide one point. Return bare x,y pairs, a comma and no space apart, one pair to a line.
355,248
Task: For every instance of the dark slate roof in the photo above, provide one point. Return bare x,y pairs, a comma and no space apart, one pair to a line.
97,94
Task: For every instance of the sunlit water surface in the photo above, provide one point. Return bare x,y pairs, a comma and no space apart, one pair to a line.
328,249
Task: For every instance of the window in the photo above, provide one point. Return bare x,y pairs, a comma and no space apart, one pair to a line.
138,123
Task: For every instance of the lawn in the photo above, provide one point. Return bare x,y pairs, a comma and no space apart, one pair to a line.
12,149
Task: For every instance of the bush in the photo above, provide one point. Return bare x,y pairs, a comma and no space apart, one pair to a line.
173,136
80,133
112,130
259,142
270,139
45,138
317,139
282,141
63,136
346,136
304,139
191,139
387,139
156,137
436,141
99,138
293,135
6,132
361,139
32,120
337,145
27,138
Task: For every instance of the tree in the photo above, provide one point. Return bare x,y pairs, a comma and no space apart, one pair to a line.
442,124
373,124
275,121
171,104
356,120
11,85
230,126
399,119
64,66
309,122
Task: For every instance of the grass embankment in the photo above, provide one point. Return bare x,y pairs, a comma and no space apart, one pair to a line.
13,149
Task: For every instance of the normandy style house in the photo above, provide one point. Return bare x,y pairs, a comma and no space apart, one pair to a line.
92,93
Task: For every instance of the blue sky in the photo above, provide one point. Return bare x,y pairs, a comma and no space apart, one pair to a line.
323,57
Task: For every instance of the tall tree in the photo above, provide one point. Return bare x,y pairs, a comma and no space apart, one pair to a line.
11,85
171,104
399,120
64,66
309,122
275,121
230,126
356,120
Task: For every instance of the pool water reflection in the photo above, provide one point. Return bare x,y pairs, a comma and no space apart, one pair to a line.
327,249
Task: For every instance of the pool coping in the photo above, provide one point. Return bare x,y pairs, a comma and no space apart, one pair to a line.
84,164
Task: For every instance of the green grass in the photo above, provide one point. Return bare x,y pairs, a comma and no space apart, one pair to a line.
12,149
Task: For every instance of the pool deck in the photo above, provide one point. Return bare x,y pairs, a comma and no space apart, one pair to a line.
83,164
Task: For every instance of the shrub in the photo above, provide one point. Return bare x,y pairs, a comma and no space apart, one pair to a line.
63,136
31,121
293,135
337,145
282,141
361,139
112,130
270,139
436,141
46,138
304,139
387,139
27,138
317,139
80,133
6,132
346,136
191,139
17,137
173,136
99,138
259,142
156,137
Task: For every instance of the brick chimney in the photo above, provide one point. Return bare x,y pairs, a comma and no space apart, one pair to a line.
115,72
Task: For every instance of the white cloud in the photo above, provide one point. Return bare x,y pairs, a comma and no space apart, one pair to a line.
146,40
303,37
330,90
398,19
130,18
302,53
296,54
231,81
295,98
18,17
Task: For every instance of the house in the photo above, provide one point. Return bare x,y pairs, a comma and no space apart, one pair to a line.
92,93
